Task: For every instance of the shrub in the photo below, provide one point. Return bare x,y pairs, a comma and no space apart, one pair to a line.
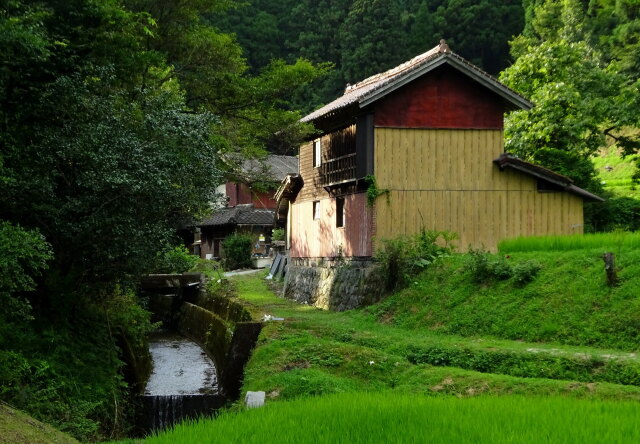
277,234
176,260
525,272
404,257
237,251
616,212
483,268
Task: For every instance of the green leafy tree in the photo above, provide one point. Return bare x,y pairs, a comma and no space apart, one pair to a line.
23,257
579,98
215,76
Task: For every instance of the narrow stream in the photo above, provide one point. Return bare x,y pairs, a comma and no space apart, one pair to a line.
183,383
180,367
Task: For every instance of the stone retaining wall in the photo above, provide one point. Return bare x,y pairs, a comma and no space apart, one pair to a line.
334,287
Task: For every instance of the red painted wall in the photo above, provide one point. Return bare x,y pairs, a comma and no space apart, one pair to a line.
239,193
443,98
232,194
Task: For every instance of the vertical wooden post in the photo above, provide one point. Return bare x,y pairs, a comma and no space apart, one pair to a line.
610,268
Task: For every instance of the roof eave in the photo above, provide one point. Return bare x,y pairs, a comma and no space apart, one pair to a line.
506,161
584,193
531,172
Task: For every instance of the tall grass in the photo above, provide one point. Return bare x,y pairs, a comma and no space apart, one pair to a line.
387,418
607,241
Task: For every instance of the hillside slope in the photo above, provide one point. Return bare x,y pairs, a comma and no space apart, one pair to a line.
19,428
568,302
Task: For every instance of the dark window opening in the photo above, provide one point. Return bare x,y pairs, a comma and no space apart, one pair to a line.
316,210
340,212
544,186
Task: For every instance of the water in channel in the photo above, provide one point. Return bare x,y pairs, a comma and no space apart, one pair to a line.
183,383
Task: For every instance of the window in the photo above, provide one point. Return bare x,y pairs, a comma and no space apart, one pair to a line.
317,152
316,210
340,212
544,186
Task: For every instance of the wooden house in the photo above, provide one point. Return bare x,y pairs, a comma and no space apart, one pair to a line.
430,132
249,206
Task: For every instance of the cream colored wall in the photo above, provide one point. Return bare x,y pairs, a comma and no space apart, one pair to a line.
446,180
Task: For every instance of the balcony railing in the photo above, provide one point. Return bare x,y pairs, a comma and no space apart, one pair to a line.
339,170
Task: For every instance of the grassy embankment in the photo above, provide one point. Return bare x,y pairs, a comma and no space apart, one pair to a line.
19,428
616,172
566,335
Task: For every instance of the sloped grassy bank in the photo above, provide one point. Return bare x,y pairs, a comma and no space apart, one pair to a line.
568,302
317,352
17,427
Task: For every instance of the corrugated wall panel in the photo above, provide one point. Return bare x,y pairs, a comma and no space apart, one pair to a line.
445,180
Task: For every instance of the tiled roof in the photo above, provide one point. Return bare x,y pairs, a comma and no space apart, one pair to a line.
507,160
272,168
239,215
379,85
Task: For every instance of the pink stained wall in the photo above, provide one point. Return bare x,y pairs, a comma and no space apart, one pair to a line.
321,238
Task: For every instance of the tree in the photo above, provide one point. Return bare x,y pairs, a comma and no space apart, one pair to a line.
578,97
116,120
210,67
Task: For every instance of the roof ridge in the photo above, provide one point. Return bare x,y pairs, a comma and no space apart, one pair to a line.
442,47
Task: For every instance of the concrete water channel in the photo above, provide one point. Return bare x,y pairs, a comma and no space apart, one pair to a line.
199,354
183,382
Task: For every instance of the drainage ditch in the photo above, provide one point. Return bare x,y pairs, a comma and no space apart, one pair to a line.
198,355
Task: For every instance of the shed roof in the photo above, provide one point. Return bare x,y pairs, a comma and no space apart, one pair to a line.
377,86
506,160
239,215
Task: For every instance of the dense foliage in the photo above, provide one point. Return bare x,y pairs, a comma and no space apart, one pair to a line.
568,64
361,38
117,120
402,258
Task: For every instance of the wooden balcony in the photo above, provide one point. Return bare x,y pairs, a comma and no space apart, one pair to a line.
339,170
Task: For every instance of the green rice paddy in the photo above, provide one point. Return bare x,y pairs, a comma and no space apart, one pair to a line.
391,418
613,241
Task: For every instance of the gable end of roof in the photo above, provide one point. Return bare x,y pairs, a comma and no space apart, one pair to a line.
378,86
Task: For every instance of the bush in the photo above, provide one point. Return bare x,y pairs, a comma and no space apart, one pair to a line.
484,267
615,213
277,234
176,260
237,251
404,257
525,272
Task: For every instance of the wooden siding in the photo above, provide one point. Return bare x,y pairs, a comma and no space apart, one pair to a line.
445,180
312,188
321,238
443,98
